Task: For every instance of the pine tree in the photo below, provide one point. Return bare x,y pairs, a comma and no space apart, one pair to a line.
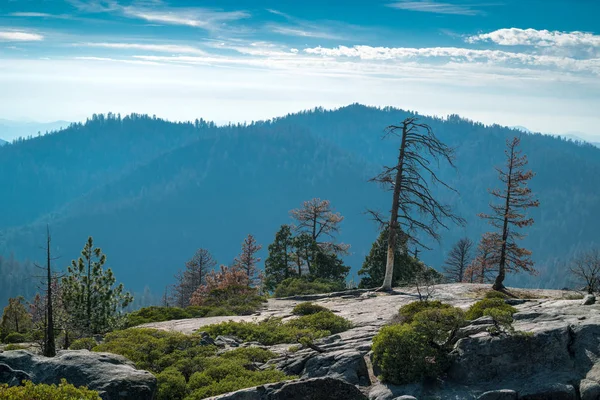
484,264
91,298
458,260
247,261
279,264
373,268
509,216
15,318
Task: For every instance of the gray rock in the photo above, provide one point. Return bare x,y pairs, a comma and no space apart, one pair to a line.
206,340
12,377
589,390
588,300
556,391
227,341
504,394
405,397
471,330
483,321
313,389
114,377
347,365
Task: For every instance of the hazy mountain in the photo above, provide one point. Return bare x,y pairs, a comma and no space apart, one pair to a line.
10,130
151,191
3,142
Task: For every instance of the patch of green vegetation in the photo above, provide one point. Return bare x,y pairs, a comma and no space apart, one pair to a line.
84,344
11,346
502,320
408,311
494,294
477,310
419,347
220,302
308,308
301,286
275,331
15,337
187,370
62,391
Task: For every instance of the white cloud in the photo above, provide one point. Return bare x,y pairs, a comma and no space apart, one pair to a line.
163,48
539,38
435,7
31,14
20,36
302,32
204,18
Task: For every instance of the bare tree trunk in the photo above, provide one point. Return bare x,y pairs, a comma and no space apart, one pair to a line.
498,283
393,226
50,342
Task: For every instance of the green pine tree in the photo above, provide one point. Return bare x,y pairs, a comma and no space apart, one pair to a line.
329,266
91,298
279,265
16,318
373,268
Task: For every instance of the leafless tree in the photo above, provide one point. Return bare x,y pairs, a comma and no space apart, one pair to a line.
509,216
585,269
414,208
458,260
247,260
485,263
194,275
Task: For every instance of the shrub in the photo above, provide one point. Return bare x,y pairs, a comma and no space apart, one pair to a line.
438,324
84,344
408,311
274,331
477,309
15,337
301,286
308,308
11,347
404,356
502,320
186,368
63,391
494,294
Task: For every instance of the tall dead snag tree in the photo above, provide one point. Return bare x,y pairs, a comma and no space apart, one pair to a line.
414,209
509,216
247,261
458,260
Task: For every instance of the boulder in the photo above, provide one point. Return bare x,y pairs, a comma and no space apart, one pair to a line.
555,391
12,377
314,389
588,300
504,394
227,341
347,365
113,376
589,390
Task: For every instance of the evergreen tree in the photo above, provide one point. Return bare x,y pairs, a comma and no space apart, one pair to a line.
15,318
329,266
91,298
279,265
304,253
458,260
247,261
373,268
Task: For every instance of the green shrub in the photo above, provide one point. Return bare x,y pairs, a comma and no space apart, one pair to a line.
494,294
171,385
404,355
274,331
301,286
84,344
308,308
185,368
15,337
11,347
477,309
502,320
437,324
408,311
63,391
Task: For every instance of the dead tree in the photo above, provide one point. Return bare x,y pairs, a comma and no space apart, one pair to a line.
458,260
509,216
247,261
585,268
414,209
480,270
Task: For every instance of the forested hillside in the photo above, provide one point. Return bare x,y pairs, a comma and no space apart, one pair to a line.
151,192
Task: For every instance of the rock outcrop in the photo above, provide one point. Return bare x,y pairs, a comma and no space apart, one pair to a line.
113,376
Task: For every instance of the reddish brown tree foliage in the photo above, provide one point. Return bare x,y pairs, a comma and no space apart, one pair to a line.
484,264
509,216
247,261
225,278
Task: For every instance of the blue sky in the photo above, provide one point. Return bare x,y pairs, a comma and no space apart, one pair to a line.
528,62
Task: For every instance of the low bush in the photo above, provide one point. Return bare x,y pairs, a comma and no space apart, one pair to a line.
301,286
502,320
186,369
439,324
408,311
494,294
62,391
275,331
308,308
477,310
11,347
15,337
84,344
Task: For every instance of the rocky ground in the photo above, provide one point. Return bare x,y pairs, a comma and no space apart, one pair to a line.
557,358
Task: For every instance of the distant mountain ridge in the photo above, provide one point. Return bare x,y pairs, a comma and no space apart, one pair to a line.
3,142
151,192
10,129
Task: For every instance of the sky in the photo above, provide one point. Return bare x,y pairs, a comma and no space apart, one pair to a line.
532,63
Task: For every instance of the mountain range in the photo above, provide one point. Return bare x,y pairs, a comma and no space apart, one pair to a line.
151,192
